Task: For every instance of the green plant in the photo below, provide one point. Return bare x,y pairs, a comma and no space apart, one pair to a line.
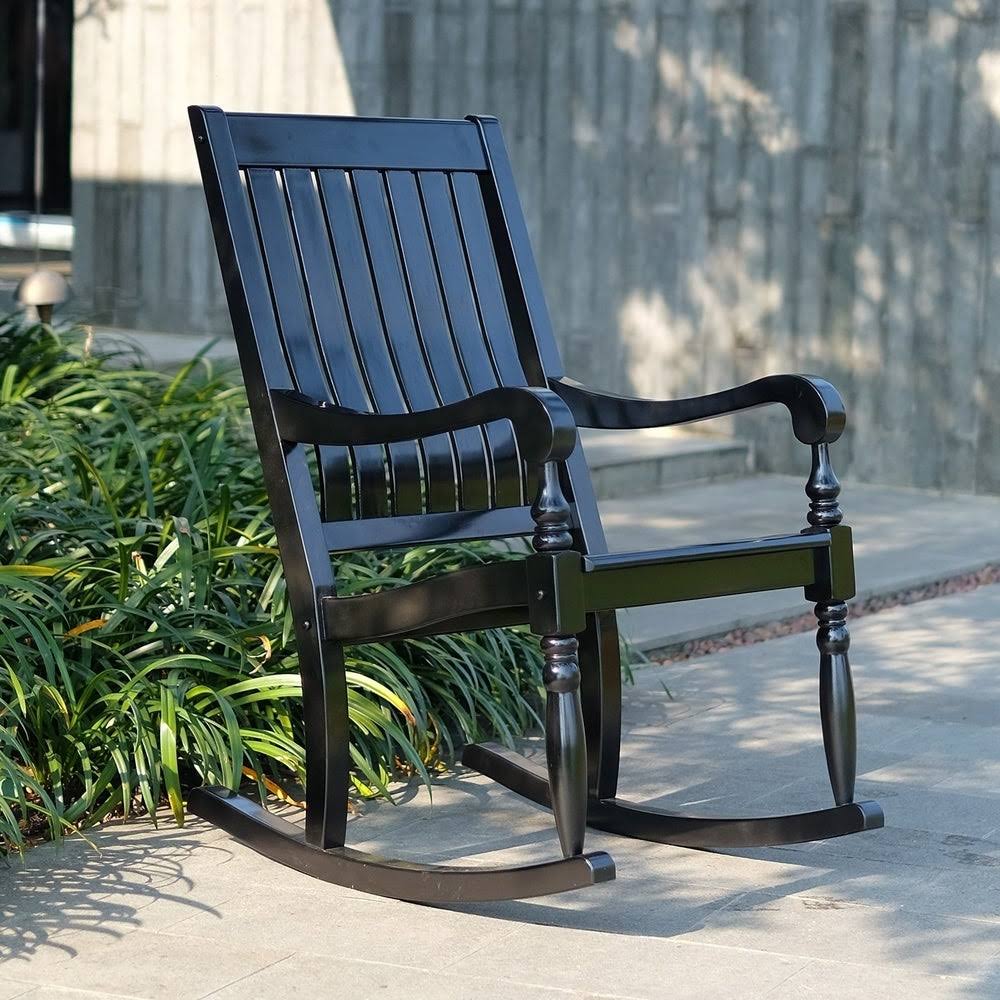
145,639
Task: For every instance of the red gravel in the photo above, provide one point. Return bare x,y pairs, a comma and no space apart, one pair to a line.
807,622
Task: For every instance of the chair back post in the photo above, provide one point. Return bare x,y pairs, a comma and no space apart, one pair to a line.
308,571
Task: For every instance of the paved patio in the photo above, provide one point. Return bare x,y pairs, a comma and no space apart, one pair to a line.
910,911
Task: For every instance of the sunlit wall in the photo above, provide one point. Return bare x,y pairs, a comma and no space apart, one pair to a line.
716,189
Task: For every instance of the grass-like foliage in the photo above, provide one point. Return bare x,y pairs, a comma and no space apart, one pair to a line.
145,637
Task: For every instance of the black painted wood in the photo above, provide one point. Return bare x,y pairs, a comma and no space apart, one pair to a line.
435,334
496,587
297,521
395,532
836,687
542,424
281,841
388,314
815,406
342,497
565,742
507,489
642,822
354,143
374,358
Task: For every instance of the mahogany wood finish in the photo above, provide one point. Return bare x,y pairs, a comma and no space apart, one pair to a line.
389,318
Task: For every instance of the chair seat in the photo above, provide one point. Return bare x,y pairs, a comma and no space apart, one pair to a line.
709,550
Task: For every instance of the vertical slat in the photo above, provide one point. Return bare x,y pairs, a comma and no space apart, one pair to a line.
366,324
294,321
408,353
286,286
486,282
333,332
432,322
461,306
489,294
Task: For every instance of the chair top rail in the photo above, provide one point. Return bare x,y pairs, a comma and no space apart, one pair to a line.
321,142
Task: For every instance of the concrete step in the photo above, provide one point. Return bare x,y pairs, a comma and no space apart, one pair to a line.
627,463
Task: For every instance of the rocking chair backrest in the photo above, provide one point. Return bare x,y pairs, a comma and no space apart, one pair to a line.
383,265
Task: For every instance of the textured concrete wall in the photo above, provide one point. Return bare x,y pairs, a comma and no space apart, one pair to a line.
716,189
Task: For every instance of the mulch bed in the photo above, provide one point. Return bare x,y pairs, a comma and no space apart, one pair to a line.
807,622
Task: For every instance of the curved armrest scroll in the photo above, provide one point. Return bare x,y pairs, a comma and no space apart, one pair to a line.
816,407
543,423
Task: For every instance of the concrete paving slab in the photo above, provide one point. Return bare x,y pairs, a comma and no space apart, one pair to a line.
835,930
911,910
903,538
820,981
144,963
59,993
9,989
610,965
306,977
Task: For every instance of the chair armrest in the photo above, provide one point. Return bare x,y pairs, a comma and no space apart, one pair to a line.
816,408
543,423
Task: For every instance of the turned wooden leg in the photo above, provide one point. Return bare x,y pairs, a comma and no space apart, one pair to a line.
836,699
565,745
565,739
836,690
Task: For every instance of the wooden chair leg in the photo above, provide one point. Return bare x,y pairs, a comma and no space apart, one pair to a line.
836,699
836,690
565,744
565,739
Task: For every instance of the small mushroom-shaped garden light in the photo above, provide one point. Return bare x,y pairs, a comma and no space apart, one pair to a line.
42,291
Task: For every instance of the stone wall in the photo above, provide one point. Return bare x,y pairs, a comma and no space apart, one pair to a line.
715,189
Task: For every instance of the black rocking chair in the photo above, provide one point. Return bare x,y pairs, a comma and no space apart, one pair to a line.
388,314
